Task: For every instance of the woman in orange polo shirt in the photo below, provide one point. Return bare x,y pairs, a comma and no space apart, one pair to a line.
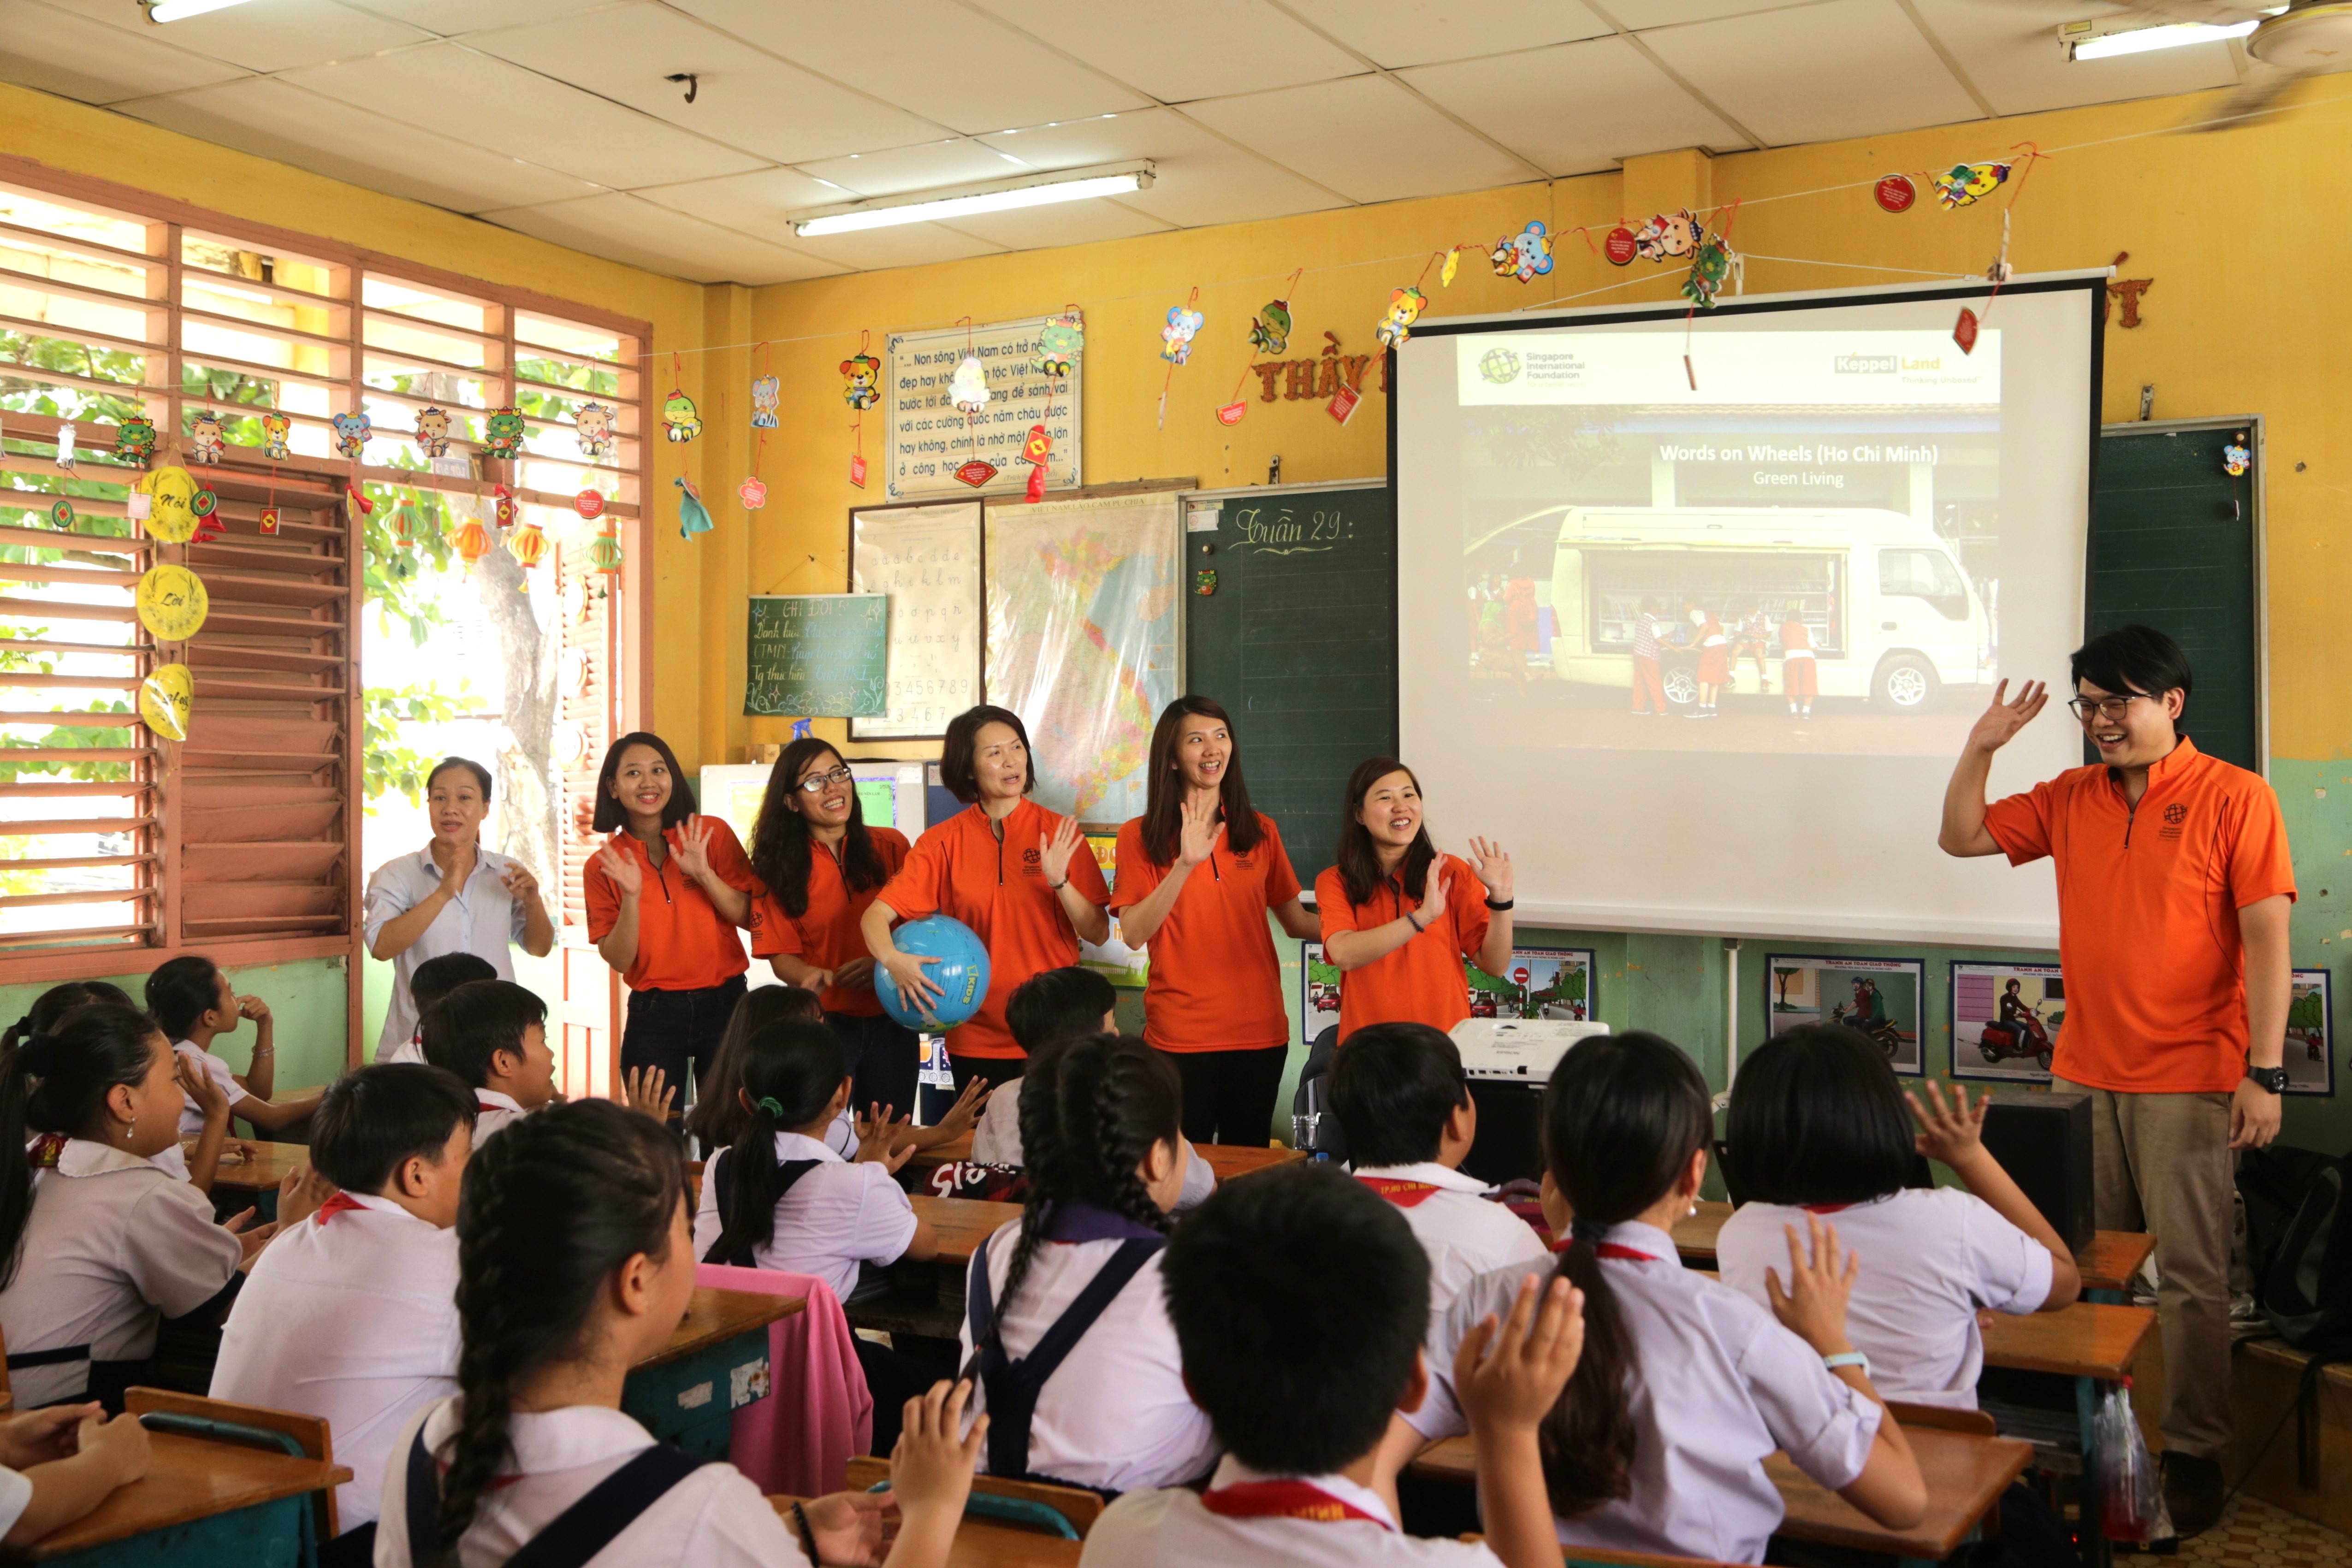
665,897
1022,877
822,866
1197,872
1399,917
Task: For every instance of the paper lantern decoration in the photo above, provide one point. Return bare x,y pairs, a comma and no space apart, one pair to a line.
206,439
171,504
589,504
1894,194
269,521
502,433
1269,333
1176,338
432,432
1664,236
680,421
861,381
526,544
61,513
135,439
753,493
172,603
66,445
352,434
1965,184
1059,343
1524,256
604,554
403,524
693,517
273,427
765,390
968,388
593,424
471,541
1405,306
165,699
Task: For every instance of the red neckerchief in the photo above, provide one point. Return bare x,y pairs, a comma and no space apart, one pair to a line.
1609,1249
1824,1207
1404,1193
41,1153
1283,1499
482,1105
341,1203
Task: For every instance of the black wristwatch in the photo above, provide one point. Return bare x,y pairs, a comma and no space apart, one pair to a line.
1499,905
2270,1078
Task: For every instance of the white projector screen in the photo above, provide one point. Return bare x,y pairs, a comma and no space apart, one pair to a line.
1839,463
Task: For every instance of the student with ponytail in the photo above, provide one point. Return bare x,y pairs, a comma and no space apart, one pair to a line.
1067,1325
199,1162
575,1264
98,1245
1657,1443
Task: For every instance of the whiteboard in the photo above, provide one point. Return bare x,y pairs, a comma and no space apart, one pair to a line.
926,560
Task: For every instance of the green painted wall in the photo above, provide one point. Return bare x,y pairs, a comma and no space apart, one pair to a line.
309,999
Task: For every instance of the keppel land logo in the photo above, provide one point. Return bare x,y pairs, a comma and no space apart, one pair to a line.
1866,365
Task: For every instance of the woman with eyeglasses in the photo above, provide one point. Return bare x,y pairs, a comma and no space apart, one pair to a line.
822,866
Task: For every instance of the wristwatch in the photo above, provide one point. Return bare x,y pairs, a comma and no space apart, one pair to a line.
2270,1078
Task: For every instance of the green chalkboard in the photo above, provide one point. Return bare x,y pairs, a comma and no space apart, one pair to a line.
2173,546
1298,642
817,655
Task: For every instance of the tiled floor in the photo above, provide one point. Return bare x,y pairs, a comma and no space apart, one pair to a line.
2253,1534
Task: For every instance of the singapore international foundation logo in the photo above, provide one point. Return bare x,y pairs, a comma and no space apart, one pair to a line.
1500,366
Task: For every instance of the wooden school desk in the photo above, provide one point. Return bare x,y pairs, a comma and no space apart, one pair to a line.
1965,1475
716,1363
981,1544
2108,1264
961,1223
201,1504
260,1177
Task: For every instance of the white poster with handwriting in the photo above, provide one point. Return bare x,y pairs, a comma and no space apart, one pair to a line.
927,560
929,439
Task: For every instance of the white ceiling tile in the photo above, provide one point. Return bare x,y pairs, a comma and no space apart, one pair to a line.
1575,107
1774,72
1220,46
932,57
262,35
1072,223
73,57
743,97
457,92
2011,51
1415,32
623,228
453,18
1200,178
755,203
959,162
912,244
1639,15
270,119
758,205
1365,137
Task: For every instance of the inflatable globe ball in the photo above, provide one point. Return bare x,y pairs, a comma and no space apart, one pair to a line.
960,974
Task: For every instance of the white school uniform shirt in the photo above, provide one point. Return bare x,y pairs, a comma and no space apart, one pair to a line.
1173,1528
173,1161
1930,1259
492,1112
715,1518
483,920
112,1246
1464,1234
835,1216
15,1496
996,1141
1718,1385
352,1315
1114,1415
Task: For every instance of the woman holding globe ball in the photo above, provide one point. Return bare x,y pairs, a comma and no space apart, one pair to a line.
1022,877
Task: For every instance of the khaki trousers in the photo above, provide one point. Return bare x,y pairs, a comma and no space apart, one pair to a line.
2161,1163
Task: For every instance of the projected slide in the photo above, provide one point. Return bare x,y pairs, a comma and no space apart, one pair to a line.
1775,560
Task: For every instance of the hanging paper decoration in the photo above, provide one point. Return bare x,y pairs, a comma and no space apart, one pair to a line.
1524,256
1405,306
209,526
135,439
977,472
589,504
403,525
1964,184
1342,406
857,470
526,544
165,699
592,424
968,388
502,433
1037,449
693,517
1059,343
1964,331
268,522
1665,236
753,494
170,496
352,433
1895,193
61,513
1176,338
66,445
1444,279
1269,333
206,439
765,390
680,421
1710,269
172,603
432,432
2237,457
504,508
1620,246
604,553
861,381
1205,581
471,541
274,428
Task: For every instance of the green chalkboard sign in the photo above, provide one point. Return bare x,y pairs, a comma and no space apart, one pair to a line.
817,655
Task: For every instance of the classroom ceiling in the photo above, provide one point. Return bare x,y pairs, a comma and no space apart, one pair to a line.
551,117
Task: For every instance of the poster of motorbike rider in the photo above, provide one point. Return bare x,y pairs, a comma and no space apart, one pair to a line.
2311,1035
2005,1020
1880,997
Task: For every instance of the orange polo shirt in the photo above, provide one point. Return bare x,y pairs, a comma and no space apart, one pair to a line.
959,868
684,944
826,937
1215,983
1420,982
2148,915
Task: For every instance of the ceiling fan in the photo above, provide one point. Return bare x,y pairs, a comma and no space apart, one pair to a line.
2309,39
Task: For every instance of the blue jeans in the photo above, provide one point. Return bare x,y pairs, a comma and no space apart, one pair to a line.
883,1058
676,1030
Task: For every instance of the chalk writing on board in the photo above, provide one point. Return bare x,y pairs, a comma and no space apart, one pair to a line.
816,655
1284,530
926,562
928,438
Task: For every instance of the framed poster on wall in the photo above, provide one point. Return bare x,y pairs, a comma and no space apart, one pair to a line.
926,562
1539,983
2311,1035
1885,998
2005,1020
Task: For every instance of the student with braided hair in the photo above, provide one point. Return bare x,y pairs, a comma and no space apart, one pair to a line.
1066,1322
575,1264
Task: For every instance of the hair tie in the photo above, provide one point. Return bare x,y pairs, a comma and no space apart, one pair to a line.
40,1054
768,1102
1588,1232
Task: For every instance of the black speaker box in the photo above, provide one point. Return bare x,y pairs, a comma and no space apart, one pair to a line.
2044,1141
1509,1145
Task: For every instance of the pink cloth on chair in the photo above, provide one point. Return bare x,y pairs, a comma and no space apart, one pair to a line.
818,1412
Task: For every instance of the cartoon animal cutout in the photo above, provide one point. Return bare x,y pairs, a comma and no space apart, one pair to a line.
352,433
968,388
765,392
1058,343
134,438
206,439
593,422
1524,256
1964,184
432,432
1405,306
1710,269
274,429
861,381
680,420
1270,333
1176,338
1664,236
502,433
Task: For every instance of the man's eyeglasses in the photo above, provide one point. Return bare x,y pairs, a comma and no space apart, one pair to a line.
815,782
2106,708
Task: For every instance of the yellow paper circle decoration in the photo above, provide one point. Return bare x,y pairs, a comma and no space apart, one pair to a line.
165,699
172,603
171,493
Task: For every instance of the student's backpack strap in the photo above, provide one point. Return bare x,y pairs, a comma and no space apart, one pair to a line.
574,1537
1012,1387
722,1176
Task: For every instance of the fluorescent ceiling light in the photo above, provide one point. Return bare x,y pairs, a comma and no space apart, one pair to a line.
180,10
1004,197
2140,40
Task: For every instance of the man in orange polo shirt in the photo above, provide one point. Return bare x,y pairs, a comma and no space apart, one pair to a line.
2174,887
